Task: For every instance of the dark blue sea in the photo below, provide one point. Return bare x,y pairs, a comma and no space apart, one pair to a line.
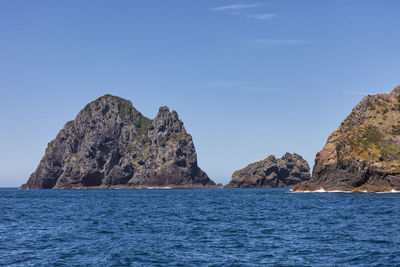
198,227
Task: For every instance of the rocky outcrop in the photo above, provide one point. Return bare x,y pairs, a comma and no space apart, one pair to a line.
289,170
363,154
111,144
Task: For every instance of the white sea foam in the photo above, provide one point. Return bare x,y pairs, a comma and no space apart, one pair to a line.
391,191
339,191
321,190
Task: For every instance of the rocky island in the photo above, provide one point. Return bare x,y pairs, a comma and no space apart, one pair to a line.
286,171
112,145
363,153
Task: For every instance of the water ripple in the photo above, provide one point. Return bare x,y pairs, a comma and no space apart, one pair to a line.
203,227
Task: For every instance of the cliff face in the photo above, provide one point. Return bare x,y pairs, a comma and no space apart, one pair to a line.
111,144
289,170
363,154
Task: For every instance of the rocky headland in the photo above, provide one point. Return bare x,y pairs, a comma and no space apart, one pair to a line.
286,171
363,153
112,145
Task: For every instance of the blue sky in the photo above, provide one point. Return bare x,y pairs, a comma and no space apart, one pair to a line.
248,78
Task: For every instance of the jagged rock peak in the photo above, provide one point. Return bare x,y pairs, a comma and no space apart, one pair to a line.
110,104
363,154
111,144
396,91
286,171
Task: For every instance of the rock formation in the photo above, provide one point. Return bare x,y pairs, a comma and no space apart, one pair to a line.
289,170
363,154
111,144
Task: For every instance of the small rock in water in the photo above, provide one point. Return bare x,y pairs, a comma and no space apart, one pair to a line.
289,170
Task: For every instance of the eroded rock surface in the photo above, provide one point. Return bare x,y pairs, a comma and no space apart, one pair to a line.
289,170
363,154
111,144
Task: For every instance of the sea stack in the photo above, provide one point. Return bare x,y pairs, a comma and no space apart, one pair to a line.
111,144
287,171
363,154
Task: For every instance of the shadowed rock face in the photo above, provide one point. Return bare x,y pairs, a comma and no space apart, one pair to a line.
110,143
363,154
289,170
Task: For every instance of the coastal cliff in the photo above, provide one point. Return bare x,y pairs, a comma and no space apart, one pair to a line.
111,144
363,153
287,171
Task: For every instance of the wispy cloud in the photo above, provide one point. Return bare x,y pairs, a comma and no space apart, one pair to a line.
275,41
262,16
235,7
240,10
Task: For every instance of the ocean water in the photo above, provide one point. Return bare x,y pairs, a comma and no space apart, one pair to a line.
198,227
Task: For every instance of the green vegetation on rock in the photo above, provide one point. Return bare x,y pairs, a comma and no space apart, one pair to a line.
368,143
124,107
142,123
396,129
